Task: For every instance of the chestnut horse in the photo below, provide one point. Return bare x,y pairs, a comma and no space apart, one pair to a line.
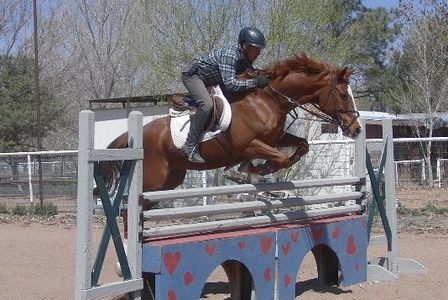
257,126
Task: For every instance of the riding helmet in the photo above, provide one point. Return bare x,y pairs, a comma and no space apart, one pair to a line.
252,36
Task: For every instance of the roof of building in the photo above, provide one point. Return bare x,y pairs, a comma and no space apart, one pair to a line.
440,119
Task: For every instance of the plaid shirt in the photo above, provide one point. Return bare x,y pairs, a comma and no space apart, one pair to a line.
221,67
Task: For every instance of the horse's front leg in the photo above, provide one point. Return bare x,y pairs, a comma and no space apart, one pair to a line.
301,145
257,149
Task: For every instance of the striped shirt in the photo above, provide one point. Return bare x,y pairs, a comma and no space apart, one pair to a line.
221,67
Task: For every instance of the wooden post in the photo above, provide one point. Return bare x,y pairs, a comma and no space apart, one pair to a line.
390,195
84,204
135,217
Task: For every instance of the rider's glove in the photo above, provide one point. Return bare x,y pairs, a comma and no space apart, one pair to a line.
263,81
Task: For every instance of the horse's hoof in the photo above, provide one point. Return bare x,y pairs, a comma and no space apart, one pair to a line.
246,167
266,169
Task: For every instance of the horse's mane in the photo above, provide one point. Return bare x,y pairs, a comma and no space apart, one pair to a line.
300,63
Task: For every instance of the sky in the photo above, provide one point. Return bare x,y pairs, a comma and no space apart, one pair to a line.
384,3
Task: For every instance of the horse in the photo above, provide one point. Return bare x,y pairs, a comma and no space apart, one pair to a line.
256,129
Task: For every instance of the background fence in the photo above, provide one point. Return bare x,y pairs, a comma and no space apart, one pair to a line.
19,182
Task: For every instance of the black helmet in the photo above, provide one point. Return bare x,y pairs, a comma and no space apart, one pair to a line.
252,36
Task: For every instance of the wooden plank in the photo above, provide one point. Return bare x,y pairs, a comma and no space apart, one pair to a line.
84,204
108,290
115,154
268,219
134,253
250,206
248,188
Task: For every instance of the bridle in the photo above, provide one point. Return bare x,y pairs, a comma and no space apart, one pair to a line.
337,119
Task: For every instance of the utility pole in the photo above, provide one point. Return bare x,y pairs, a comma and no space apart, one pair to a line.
38,101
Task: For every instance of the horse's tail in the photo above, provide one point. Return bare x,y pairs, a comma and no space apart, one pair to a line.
111,169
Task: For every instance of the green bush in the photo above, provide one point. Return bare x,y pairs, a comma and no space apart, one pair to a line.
47,209
3,208
19,210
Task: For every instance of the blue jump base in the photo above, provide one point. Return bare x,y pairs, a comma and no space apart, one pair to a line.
268,257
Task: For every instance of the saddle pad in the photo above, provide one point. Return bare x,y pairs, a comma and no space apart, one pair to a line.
180,122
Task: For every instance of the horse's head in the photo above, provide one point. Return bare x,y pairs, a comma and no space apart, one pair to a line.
336,100
308,81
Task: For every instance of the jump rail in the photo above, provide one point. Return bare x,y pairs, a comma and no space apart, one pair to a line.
265,205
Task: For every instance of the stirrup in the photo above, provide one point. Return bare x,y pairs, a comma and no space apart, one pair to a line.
196,157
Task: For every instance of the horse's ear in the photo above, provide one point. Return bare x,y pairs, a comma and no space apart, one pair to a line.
344,74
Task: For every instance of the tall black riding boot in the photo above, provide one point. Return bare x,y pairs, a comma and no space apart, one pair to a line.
197,124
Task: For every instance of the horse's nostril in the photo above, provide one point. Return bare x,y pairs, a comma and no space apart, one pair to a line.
358,130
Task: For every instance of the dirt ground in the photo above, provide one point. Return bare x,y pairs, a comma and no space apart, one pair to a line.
37,258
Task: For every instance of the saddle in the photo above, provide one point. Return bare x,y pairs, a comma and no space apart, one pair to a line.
181,108
183,104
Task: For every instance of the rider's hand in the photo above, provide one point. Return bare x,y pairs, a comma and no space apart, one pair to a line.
263,81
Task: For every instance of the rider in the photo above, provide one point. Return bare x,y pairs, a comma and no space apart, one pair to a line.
220,67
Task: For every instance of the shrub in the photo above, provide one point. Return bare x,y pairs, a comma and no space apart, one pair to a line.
19,210
47,209
3,208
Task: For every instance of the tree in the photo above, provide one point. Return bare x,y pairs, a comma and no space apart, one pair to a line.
422,67
14,17
17,106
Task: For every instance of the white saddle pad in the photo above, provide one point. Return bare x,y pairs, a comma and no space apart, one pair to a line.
180,122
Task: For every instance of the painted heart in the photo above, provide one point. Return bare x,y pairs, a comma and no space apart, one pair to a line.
287,280
188,278
317,233
210,249
336,232
351,245
266,244
295,236
357,267
241,245
171,261
285,249
267,274
172,295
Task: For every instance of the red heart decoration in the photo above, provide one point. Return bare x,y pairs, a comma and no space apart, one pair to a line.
210,249
285,249
351,246
241,245
336,232
171,261
357,267
266,244
295,236
267,274
287,280
172,295
188,278
317,233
